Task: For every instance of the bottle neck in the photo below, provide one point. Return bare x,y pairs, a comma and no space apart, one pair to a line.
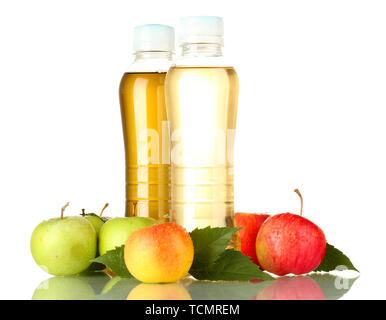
153,55
151,61
201,50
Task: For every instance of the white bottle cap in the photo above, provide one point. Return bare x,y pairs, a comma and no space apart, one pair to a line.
201,29
153,37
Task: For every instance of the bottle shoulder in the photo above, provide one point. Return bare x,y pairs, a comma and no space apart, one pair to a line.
201,76
153,66
141,80
202,62
212,70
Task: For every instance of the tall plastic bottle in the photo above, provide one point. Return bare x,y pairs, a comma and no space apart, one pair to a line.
201,97
145,123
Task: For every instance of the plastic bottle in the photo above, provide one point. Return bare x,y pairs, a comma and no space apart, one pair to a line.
201,97
145,123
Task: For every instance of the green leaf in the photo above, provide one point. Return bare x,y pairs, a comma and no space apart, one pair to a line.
113,260
213,262
209,243
230,266
334,258
95,267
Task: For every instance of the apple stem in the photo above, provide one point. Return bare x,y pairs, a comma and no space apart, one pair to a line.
83,213
64,208
106,205
301,201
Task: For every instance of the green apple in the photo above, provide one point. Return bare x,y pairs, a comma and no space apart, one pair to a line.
63,288
96,221
115,232
64,246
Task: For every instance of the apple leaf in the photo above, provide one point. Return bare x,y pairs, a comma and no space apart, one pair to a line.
113,260
208,244
230,266
333,259
95,267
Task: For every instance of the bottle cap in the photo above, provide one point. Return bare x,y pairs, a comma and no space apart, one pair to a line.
201,29
153,37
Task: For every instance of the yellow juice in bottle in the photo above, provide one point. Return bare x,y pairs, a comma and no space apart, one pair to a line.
145,123
146,137
201,99
202,108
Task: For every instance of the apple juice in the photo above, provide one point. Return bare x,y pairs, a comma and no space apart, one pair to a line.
202,114
145,123
201,98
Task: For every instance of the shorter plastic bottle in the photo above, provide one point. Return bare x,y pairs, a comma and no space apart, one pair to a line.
145,123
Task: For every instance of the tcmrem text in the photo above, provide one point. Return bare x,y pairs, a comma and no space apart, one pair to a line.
194,309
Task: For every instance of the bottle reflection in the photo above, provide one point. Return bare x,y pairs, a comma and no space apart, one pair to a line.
168,291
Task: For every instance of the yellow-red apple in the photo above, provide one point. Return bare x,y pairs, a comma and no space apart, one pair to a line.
160,253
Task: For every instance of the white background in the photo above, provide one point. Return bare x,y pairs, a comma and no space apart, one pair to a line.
311,116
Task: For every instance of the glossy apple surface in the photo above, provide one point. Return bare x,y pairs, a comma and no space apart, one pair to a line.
64,246
115,232
250,224
160,253
289,243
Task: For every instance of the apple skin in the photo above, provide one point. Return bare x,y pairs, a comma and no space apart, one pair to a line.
289,243
251,224
96,222
159,254
292,288
115,232
64,247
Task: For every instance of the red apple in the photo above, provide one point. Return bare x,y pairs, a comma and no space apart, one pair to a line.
295,288
289,243
251,224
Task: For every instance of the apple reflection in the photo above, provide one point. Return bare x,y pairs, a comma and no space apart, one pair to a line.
292,288
81,287
98,285
313,287
150,291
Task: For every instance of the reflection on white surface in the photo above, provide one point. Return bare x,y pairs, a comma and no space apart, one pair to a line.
99,286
